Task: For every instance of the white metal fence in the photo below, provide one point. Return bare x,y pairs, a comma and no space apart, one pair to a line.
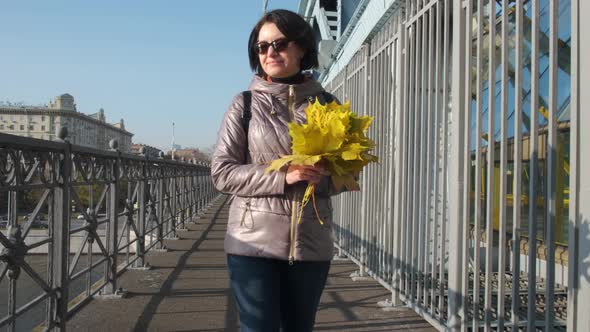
474,216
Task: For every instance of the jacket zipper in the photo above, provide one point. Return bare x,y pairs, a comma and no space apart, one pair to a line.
290,102
246,208
292,232
244,214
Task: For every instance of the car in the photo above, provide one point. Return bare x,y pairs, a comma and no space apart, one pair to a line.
28,217
80,217
3,221
37,223
40,224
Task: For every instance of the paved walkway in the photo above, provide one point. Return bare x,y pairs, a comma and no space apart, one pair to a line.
187,290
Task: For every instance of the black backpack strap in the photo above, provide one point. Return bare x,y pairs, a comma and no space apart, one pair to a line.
247,112
324,98
246,116
328,98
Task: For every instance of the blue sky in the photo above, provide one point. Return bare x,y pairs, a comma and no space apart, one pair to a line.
148,62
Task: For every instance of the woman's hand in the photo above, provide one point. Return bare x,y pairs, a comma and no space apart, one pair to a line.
311,174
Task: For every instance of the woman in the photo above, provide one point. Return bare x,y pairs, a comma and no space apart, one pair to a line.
278,267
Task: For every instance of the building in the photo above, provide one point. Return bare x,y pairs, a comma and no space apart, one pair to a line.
44,122
149,150
189,154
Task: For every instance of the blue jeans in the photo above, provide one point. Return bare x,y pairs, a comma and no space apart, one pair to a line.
272,295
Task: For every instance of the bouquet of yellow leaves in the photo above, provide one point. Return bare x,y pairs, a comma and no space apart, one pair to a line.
335,136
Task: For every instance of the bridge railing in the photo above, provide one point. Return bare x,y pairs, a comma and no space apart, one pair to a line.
474,215
73,219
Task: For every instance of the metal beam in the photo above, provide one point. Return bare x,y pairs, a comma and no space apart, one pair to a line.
456,168
579,229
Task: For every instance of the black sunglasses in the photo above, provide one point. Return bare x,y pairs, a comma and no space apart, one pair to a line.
278,45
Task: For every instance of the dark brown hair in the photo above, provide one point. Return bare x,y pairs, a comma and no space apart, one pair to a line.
295,29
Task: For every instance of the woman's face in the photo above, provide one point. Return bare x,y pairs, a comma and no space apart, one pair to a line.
282,63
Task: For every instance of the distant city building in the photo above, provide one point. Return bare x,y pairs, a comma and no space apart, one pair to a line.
176,147
44,122
149,151
189,154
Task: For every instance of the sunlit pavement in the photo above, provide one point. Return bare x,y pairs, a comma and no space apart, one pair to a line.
186,289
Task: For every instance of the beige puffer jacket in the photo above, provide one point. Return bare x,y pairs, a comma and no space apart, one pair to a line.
264,209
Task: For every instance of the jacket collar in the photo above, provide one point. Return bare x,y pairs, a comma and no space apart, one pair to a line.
308,88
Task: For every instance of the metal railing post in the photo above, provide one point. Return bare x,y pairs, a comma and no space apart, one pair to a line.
182,199
210,182
189,193
365,176
188,205
172,203
113,227
160,210
61,236
193,194
398,160
197,192
202,189
209,186
14,271
173,200
141,213
579,225
456,169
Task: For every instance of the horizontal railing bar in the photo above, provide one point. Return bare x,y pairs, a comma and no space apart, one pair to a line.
128,244
86,150
423,312
153,244
35,144
152,229
8,140
123,267
24,308
419,14
75,184
522,323
88,268
26,187
388,43
39,243
79,229
72,310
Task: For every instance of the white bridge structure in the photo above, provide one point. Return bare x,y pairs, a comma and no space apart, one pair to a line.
478,214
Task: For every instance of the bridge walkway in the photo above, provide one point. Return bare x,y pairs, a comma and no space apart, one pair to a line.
187,289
